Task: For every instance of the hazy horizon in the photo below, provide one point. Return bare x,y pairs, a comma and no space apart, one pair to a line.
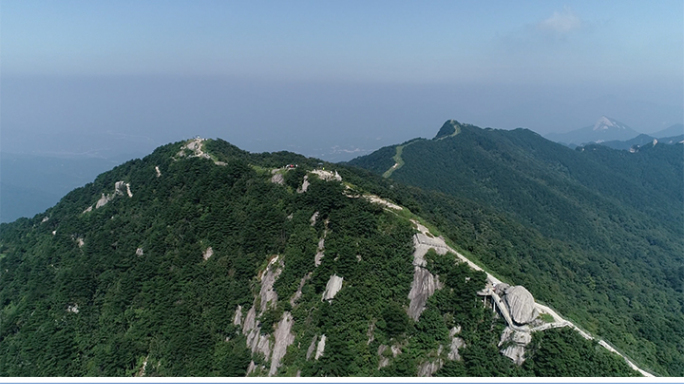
330,80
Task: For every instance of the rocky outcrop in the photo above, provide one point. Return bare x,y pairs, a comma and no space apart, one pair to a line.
257,342
305,185
379,200
422,287
520,304
139,252
320,348
424,283
456,343
318,259
237,319
120,189
209,252
514,343
250,320
102,201
327,175
156,168
277,177
194,147
283,339
266,293
429,368
313,218
334,285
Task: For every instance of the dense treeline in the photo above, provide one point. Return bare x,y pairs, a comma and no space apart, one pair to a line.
596,232
129,288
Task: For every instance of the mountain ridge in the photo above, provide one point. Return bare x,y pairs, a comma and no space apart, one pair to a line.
565,194
159,265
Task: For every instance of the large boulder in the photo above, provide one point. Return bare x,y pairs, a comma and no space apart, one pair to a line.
520,304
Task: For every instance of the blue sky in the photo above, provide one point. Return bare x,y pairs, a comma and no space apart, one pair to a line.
360,74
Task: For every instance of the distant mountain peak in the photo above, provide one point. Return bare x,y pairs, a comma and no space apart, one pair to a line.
605,123
449,128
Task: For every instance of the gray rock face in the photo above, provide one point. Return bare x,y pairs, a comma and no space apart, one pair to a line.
237,319
428,368
334,285
516,342
320,348
422,287
456,343
520,304
283,339
305,185
278,178
250,320
257,342
269,277
318,259
209,252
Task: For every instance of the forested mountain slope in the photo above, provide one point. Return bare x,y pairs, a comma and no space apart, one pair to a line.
597,232
205,260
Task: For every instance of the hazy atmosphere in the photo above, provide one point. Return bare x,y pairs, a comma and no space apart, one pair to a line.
88,85
332,80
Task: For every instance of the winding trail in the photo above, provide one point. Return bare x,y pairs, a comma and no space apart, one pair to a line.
398,162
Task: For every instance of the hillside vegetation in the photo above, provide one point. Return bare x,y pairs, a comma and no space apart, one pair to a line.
205,260
595,232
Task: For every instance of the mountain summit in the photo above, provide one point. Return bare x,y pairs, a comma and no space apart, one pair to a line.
605,129
606,123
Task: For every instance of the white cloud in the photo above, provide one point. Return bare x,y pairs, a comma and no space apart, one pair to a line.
562,22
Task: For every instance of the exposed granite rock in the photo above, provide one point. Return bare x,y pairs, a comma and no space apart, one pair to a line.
422,287
266,293
250,320
102,201
384,360
428,368
313,218
516,342
277,178
334,285
257,342
251,367
283,339
139,252
237,319
305,185
456,343
156,168
320,348
520,304
209,252
318,259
